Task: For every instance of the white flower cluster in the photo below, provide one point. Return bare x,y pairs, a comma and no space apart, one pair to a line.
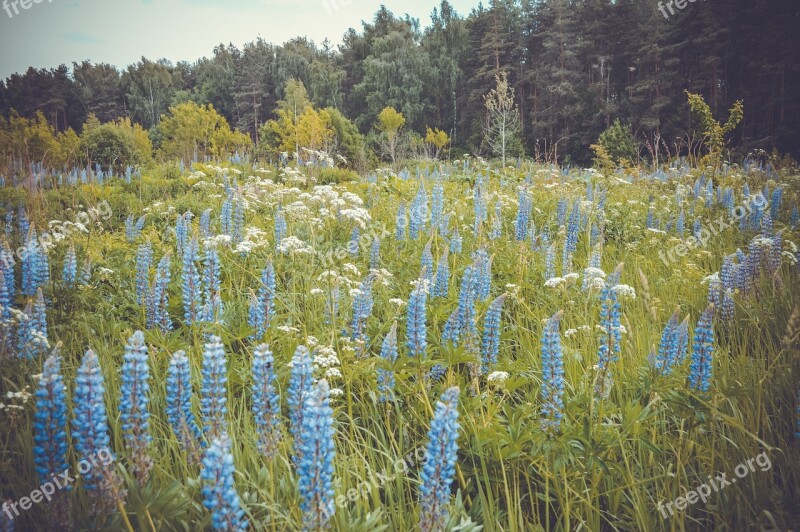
292,244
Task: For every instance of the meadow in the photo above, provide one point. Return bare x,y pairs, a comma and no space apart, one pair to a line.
450,346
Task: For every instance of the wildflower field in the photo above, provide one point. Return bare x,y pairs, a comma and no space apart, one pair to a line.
454,346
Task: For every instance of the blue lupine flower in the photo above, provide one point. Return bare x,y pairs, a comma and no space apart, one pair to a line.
179,402
159,297
491,334
497,224
24,335
238,219
668,348
182,232
301,382
465,313
426,263
437,206
133,402
552,374
561,211
775,253
205,224
650,218
266,401
316,450
353,245
479,204
400,222
90,424
362,309
611,336
5,297
280,225
483,269
50,421
219,491
442,284
775,206
794,219
144,258
439,469
523,215
455,242
192,291
214,390
7,258
22,221
211,285
680,225
727,305
702,352
715,290
225,217
389,354
375,254
550,262
416,320
262,307
69,273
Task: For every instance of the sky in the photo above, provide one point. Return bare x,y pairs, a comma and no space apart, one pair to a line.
46,33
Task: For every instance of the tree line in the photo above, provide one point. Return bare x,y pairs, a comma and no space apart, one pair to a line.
573,67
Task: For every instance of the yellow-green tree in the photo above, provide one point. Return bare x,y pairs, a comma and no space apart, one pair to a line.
713,131
437,140
390,123
191,132
115,144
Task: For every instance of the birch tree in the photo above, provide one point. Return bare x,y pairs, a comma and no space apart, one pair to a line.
502,117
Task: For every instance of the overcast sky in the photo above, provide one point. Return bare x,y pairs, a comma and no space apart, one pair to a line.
120,32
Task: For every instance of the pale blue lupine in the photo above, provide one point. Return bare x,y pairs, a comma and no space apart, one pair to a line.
375,254
794,218
237,234
144,259
159,297
400,222
465,313
212,302
701,368
24,341
416,221
50,421
668,355
439,469
214,390
266,407
727,305
5,297
456,242
437,206
205,224
483,269
775,205
192,290
561,211
179,402
442,285
90,424
134,398
301,382
182,228
497,224
280,225
490,347
386,379
611,336
680,225
552,391
426,263
353,245
225,217
524,209
550,262
479,205
7,259
219,490
362,309
317,451
416,320
69,272
262,306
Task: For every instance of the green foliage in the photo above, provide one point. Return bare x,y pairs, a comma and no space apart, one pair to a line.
713,131
619,144
115,144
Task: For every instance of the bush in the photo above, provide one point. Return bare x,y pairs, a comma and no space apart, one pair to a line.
331,176
618,143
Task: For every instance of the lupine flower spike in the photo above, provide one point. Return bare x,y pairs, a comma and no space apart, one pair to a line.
133,402
315,466
552,374
214,392
439,469
266,401
491,334
300,384
219,491
179,404
703,352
